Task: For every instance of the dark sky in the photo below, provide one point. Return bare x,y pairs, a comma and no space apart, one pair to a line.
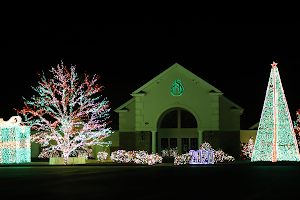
231,53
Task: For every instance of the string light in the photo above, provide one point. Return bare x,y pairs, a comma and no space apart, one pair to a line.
247,150
164,153
205,155
182,159
102,156
14,142
78,118
138,157
297,127
275,140
172,152
106,144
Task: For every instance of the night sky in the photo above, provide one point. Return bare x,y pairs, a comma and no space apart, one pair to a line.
231,53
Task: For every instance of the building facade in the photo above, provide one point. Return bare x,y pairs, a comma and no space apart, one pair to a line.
178,109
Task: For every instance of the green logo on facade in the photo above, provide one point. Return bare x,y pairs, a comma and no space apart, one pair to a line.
177,88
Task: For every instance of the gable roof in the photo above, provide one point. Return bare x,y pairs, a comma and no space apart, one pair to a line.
120,108
235,107
176,65
254,126
138,92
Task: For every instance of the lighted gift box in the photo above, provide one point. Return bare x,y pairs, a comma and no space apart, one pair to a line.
14,141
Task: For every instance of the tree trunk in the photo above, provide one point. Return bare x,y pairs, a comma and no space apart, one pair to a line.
66,157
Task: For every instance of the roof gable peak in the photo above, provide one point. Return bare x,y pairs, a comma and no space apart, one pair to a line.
176,65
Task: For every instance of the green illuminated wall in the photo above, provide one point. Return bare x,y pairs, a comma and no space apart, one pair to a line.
149,103
205,102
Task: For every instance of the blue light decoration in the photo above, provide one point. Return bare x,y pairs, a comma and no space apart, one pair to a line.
177,88
207,154
201,157
14,142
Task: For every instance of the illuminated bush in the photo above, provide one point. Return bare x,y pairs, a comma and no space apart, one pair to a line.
172,152
102,155
182,159
138,157
247,151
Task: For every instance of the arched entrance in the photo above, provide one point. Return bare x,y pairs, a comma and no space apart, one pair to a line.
177,127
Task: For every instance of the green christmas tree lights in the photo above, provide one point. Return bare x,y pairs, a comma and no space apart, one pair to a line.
275,140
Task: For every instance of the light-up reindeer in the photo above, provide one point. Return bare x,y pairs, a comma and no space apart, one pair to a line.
14,120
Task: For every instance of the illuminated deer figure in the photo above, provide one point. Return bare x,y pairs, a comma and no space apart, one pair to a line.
14,120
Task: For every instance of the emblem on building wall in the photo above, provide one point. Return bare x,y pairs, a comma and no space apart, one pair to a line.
177,88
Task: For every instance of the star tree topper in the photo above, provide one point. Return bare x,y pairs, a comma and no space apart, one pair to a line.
274,64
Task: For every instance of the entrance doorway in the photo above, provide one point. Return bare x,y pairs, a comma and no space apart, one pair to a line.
177,127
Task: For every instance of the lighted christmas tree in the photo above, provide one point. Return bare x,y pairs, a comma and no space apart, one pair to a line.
275,140
67,113
247,150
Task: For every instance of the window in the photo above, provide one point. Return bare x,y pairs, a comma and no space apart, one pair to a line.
185,145
194,144
164,143
173,142
170,120
187,119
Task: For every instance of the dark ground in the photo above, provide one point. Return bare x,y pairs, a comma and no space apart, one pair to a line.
236,180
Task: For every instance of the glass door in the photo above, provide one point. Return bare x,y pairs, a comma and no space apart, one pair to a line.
194,144
185,145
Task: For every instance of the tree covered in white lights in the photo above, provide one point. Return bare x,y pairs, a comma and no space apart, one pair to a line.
66,112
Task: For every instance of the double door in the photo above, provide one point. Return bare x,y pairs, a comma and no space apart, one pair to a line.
184,145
